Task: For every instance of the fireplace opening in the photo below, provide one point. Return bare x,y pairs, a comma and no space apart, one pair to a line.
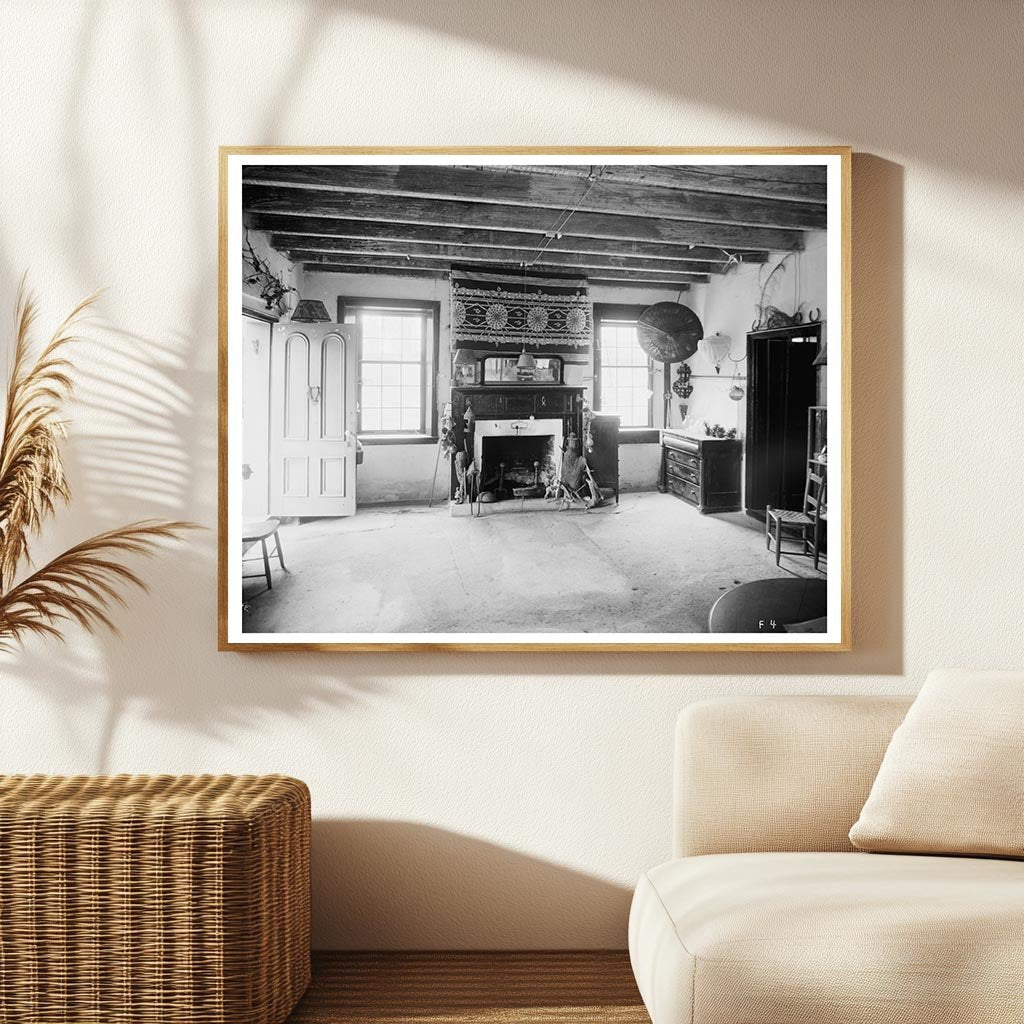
517,461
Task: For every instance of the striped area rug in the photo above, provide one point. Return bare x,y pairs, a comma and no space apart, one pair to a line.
471,988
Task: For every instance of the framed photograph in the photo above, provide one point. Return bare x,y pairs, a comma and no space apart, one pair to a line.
535,399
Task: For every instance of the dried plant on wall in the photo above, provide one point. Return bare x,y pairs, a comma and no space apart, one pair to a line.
83,583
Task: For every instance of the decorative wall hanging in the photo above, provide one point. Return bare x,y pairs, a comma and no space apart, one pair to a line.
668,332
512,313
681,385
272,290
770,317
469,339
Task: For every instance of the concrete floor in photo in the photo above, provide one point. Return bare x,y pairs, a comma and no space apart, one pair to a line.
650,564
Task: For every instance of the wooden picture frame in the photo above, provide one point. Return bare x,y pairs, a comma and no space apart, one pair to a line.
835,241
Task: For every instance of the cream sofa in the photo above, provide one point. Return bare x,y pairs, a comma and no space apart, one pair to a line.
767,914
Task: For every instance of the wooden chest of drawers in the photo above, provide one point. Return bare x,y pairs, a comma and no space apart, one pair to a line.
702,471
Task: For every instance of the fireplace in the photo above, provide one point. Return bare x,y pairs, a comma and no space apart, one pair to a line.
515,461
517,443
517,425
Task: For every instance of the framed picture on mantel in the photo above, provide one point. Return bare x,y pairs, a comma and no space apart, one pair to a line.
535,399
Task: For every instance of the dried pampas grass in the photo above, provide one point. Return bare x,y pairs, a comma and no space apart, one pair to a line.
85,582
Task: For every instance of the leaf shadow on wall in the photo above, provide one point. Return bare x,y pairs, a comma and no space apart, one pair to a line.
786,66
143,443
405,885
143,450
152,391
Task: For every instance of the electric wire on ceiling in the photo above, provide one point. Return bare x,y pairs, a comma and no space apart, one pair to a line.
563,218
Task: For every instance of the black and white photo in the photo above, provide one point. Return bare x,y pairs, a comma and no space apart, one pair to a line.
535,400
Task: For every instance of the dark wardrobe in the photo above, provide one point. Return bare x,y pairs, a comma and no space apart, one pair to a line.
782,382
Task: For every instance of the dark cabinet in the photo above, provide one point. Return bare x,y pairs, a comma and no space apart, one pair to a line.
782,383
702,471
604,459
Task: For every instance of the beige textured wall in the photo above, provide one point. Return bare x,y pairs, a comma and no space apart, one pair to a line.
490,800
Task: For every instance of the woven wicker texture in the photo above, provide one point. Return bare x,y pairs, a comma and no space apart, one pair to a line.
138,899
594,987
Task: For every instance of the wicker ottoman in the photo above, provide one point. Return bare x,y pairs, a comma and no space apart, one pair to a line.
135,899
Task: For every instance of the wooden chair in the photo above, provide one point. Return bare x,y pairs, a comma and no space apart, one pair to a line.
808,521
253,533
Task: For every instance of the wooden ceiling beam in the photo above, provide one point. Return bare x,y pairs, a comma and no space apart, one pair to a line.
616,282
797,183
322,263
448,254
266,199
503,186
318,231
396,271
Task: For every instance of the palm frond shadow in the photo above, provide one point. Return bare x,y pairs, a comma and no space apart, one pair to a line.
80,584
141,439
144,442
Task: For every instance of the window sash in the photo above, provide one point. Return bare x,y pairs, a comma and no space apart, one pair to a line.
614,364
387,407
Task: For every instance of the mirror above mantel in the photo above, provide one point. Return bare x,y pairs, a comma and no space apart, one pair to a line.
507,370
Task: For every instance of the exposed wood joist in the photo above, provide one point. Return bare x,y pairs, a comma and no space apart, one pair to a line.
267,199
321,231
448,254
363,264
618,282
613,282
502,186
396,271
798,183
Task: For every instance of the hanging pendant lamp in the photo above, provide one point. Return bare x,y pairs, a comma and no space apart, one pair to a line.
526,360
714,348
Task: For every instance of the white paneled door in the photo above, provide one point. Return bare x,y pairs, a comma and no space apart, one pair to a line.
313,420
256,335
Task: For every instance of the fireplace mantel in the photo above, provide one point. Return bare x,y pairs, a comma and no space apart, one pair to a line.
553,410
511,401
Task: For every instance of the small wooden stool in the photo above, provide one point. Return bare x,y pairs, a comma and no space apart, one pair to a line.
253,532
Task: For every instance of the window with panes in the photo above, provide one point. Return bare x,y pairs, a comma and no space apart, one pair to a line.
623,373
395,368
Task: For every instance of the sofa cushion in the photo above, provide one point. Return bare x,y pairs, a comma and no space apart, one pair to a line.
830,938
952,778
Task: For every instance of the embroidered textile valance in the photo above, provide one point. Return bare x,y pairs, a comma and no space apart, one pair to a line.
504,313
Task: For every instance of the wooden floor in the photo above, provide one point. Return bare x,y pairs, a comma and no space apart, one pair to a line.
467,988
